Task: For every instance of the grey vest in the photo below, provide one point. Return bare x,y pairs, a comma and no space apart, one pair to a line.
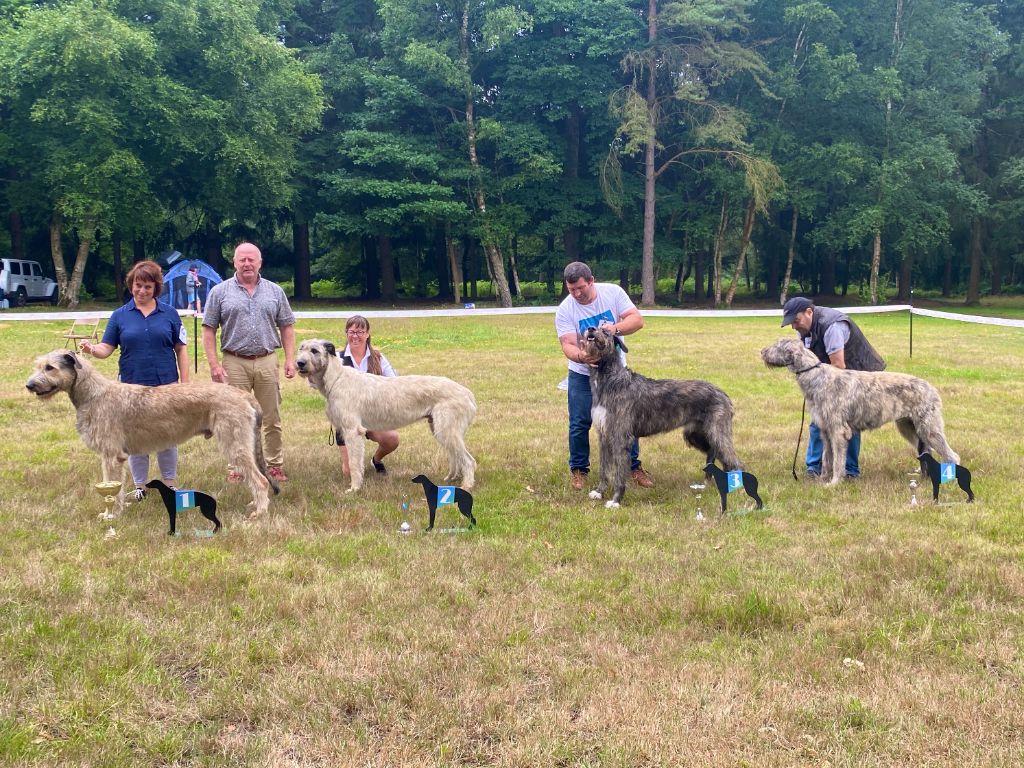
858,352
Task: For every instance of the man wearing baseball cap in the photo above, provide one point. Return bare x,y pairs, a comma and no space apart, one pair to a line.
836,340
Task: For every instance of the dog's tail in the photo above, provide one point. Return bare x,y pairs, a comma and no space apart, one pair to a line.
261,461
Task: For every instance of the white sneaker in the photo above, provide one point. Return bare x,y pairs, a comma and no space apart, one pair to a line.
137,495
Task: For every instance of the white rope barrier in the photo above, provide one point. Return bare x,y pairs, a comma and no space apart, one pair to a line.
474,312
969,318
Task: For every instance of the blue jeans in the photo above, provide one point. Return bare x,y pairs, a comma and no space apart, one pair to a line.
815,447
580,403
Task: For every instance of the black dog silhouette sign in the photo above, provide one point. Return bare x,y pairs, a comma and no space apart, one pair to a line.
941,473
442,495
734,480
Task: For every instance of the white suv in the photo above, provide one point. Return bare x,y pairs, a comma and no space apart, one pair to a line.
23,281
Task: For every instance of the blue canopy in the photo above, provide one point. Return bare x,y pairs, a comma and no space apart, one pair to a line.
175,293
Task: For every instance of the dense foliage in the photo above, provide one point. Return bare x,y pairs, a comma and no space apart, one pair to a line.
413,148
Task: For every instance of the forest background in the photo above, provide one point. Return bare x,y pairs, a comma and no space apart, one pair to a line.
402,149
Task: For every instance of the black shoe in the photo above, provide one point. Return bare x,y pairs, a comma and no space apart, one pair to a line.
379,466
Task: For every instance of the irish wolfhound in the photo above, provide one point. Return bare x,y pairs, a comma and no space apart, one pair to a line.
842,401
361,401
628,405
117,420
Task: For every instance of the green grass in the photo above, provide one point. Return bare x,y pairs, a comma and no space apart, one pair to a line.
839,626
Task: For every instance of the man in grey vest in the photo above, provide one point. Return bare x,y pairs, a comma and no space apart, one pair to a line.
836,340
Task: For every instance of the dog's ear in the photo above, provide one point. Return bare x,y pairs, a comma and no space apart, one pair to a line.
71,360
621,344
329,349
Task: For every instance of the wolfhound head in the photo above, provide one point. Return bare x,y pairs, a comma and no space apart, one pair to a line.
56,372
313,357
599,344
789,353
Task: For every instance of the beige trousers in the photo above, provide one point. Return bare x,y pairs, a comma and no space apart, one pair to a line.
261,378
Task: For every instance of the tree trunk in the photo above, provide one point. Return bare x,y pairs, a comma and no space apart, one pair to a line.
213,246
495,260
683,275
876,260
977,252
17,233
723,225
698,276
997,271
473,262
441,262
513,268
647,297
86,233
300,246
828,273
784,292
420,278
571,173
454,249
115,255
947,275
138,250
906,275
371,267
57,254
388,291
748,226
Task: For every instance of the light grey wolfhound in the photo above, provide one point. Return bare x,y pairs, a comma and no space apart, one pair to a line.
117,420
627,405
357,402
842,401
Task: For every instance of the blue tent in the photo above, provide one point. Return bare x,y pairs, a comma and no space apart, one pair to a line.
175,293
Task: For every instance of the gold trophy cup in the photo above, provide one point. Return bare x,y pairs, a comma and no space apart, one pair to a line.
108,490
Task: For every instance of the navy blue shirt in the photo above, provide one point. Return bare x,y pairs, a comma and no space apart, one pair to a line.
147,343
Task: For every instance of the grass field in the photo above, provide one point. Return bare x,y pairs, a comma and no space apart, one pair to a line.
837,627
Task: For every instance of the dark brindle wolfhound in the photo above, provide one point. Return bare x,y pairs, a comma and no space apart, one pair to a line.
628,405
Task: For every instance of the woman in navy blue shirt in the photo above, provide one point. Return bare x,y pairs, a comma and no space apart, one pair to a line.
153,352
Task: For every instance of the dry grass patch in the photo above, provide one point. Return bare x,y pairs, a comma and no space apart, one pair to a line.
839,626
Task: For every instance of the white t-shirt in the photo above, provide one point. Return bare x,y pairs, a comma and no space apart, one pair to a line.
385,366
572,317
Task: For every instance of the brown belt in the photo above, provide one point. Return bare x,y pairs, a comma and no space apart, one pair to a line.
248,357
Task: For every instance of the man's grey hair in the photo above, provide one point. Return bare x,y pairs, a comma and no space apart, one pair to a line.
577,270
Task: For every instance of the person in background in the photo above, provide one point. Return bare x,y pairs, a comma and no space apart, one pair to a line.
836,340
192,286
153,348
360,353
255,319
591,304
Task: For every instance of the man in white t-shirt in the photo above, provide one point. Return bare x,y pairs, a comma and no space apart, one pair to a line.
590,304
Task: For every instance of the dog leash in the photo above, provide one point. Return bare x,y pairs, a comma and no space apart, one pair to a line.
800,434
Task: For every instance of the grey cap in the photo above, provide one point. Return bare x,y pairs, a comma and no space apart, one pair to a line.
794,307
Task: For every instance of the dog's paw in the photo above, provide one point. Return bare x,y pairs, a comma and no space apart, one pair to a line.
352,489
611,504
594,494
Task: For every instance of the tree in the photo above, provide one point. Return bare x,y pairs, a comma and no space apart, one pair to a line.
79,85
442,45
669,111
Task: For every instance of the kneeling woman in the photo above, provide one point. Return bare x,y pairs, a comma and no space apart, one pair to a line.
360,354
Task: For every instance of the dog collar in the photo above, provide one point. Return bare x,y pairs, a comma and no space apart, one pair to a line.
805,370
